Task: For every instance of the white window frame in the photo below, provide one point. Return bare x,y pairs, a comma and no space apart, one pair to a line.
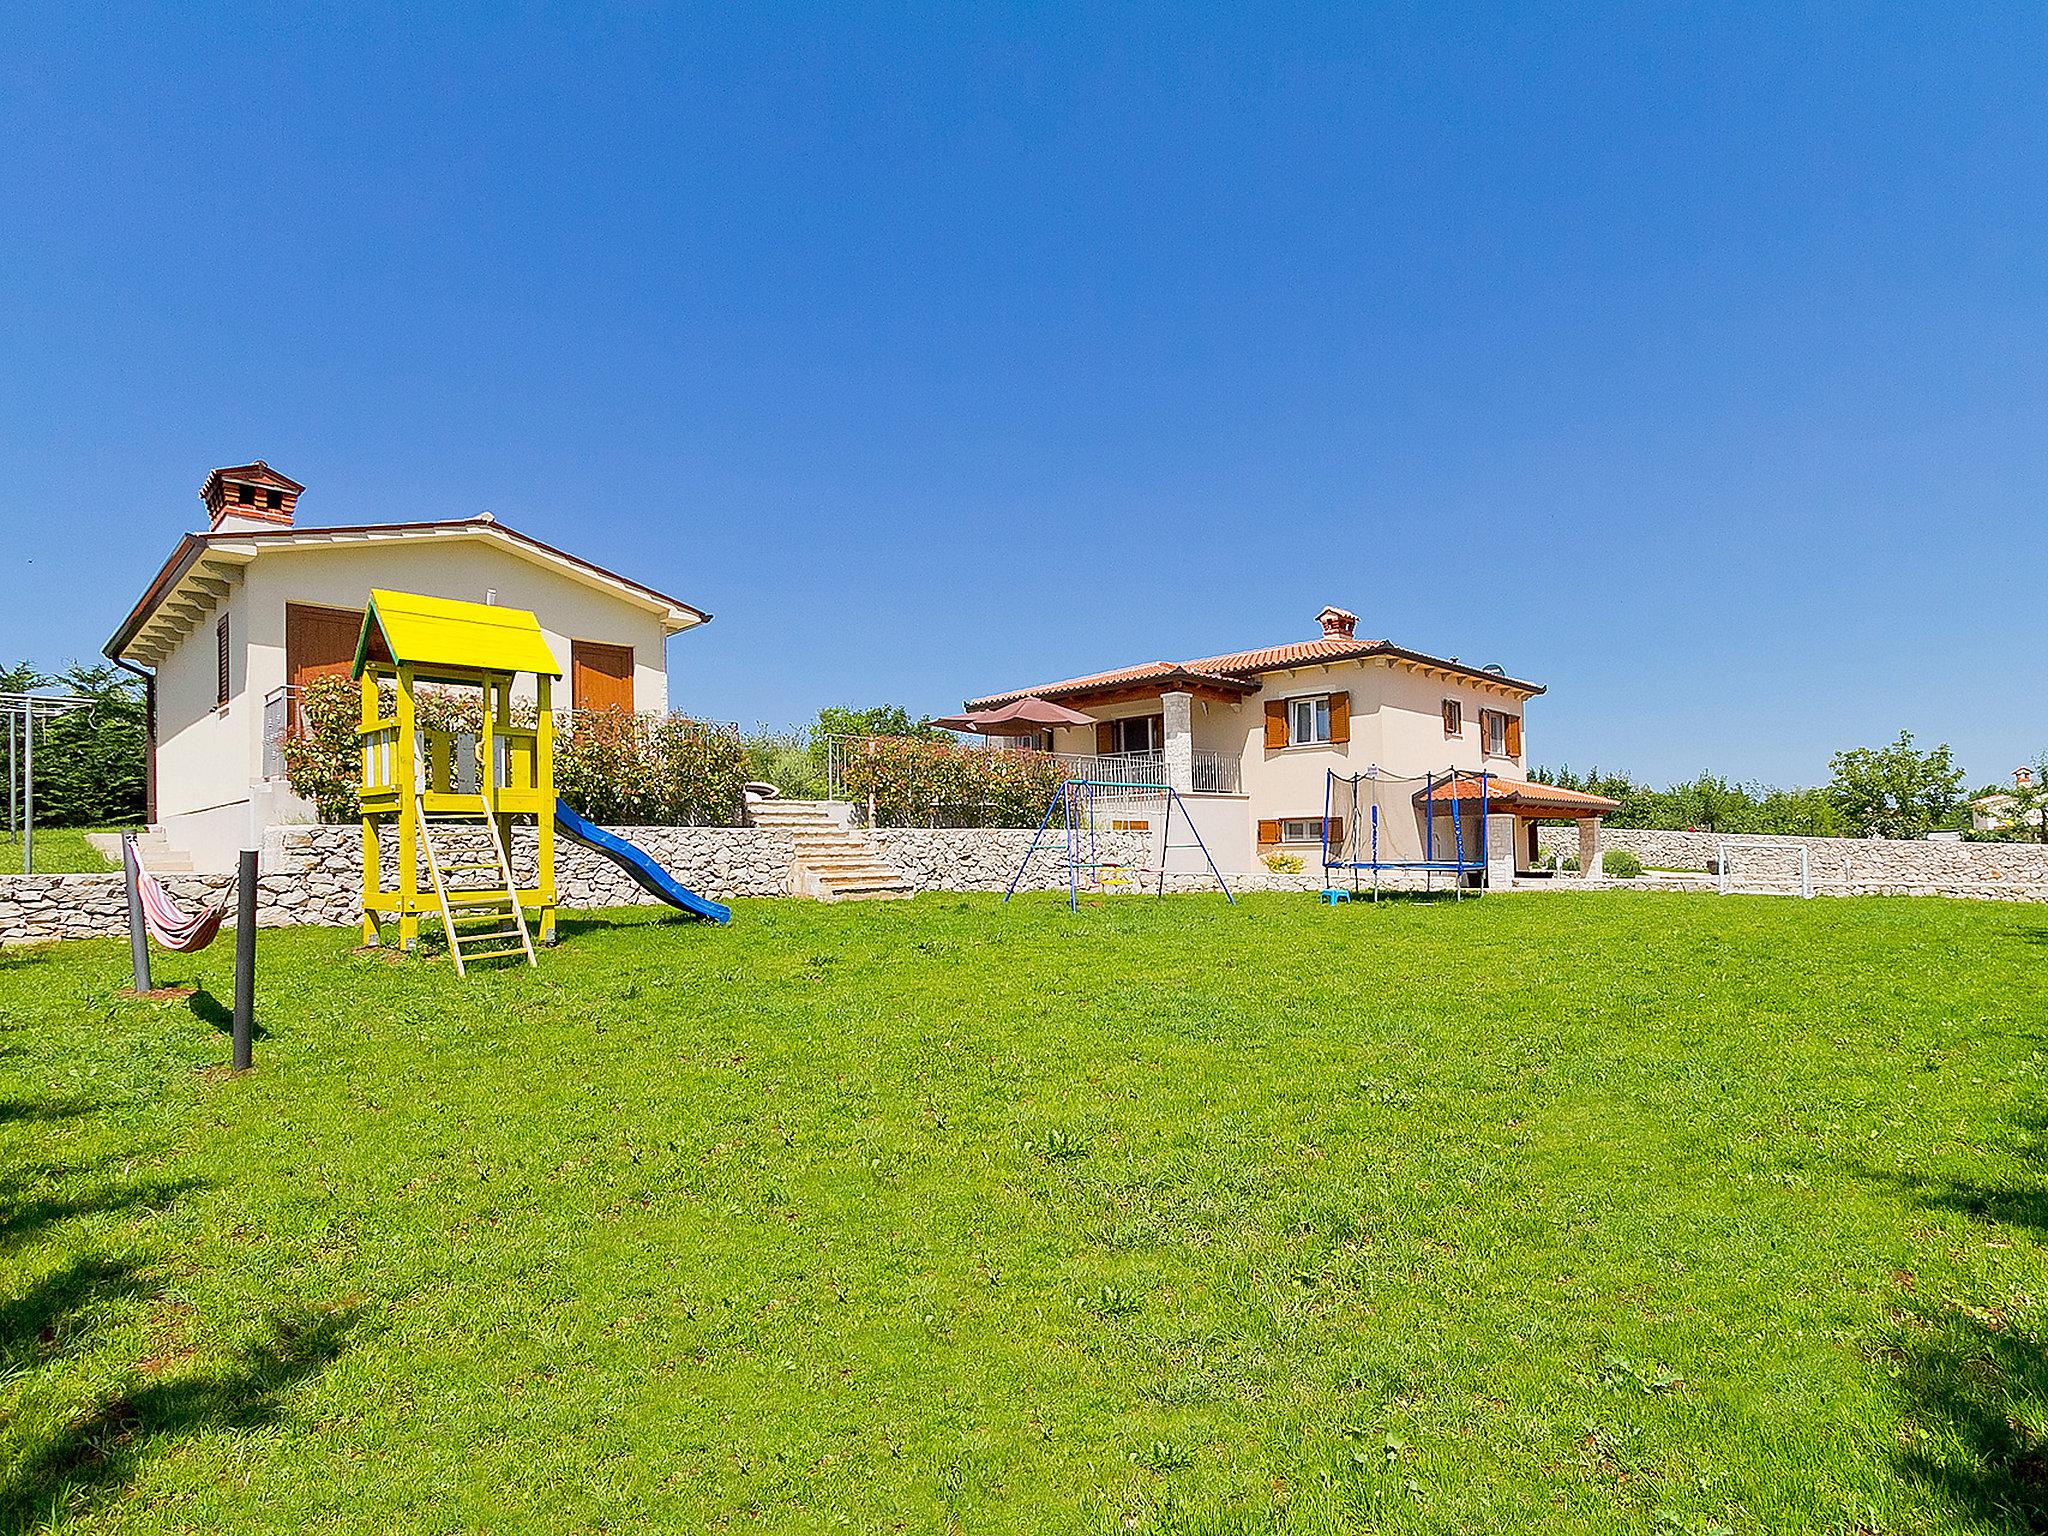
1313,826
1316,708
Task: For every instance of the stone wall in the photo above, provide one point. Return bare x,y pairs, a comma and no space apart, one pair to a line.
310,875
1839,866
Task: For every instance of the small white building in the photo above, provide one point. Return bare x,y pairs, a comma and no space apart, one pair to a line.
245,614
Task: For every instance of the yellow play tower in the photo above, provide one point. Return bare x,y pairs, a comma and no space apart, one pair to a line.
451,798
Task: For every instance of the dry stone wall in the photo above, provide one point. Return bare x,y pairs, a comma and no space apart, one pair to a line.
311,875
1839,866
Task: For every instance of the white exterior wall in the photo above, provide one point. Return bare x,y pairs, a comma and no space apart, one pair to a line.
210,791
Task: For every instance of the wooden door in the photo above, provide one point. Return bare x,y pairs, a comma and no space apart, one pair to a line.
601,676
319,642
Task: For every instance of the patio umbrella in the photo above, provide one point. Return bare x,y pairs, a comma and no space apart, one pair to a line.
1020,717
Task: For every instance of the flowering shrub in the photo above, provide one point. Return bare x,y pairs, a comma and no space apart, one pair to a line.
649,770
321,760
919,782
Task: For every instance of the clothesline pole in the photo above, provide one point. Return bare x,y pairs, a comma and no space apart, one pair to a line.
245,960
138,936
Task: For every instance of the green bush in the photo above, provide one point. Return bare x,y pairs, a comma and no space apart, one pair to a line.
932,782
322,760
1620,864
794,765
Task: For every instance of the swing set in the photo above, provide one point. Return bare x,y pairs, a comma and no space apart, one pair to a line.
1089,811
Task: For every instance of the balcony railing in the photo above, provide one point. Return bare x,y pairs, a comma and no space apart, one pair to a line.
1214,773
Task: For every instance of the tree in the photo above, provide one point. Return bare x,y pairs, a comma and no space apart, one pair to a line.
1895,791
882,720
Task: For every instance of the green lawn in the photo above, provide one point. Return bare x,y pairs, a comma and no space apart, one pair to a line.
1578,1212
59,851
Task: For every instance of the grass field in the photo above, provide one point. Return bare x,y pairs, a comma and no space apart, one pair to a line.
1594,1212
59,851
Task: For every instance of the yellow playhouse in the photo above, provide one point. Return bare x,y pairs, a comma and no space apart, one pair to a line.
451,797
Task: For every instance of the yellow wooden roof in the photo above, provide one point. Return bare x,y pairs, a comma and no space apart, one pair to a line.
441,632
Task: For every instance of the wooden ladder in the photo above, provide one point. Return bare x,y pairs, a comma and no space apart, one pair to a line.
462,909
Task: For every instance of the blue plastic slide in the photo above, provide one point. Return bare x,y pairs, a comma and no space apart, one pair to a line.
633,859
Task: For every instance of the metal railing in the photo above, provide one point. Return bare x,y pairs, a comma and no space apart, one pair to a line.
1213,773
282,716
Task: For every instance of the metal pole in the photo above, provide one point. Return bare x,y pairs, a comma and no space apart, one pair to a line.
138,935
28,787
245,959
13,772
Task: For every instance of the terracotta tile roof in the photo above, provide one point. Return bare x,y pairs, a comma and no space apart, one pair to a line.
1507,794
1234,669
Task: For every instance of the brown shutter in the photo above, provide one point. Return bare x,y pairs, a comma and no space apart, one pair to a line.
1514,735
1269,832
223,666
1276,729
1105,737
1336,832
1451,720
1340,717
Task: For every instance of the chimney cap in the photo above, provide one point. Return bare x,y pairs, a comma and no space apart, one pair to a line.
281,495
1338,623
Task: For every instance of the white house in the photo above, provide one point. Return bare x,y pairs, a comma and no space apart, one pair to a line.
1249,739
246,613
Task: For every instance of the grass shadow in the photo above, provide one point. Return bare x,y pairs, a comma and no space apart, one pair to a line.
37,1109
209,1009
1975,1394
100,1450
25,1218
568,926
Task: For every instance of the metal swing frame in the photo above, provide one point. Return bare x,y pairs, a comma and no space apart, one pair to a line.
1077,802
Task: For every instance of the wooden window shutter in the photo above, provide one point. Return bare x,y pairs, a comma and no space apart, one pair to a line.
1276,734
1340,717
1514,735
1105,737
1454,717
1336,831
223,661
1269,832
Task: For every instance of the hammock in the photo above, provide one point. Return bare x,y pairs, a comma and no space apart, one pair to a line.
168,923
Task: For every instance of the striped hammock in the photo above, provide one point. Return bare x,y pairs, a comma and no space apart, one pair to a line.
168,923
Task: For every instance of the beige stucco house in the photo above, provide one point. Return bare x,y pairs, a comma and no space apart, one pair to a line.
243,615
1249,738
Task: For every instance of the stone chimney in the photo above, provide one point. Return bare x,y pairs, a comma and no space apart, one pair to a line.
249,498
1338,623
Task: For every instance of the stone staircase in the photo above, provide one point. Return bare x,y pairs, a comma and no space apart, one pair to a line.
834,861
158,856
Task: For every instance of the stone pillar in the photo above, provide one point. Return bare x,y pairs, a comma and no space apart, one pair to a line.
1589,847
1501,854
1179,710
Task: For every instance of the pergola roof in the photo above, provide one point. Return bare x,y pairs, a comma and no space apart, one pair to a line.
1519,797
441,632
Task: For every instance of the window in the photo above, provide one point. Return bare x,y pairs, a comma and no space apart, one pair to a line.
1301,829
1503,733
1136,824
273,499
222,659
1146,733
1454,718
1308,721
245,495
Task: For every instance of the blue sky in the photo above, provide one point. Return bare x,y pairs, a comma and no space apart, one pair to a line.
1688,359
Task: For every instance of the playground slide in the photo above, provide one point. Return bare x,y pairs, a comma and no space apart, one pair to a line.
633,859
